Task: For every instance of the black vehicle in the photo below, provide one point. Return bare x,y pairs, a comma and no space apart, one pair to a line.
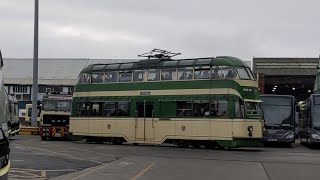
309,123
279,115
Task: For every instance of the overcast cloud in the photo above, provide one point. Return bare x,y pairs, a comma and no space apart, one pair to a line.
198,28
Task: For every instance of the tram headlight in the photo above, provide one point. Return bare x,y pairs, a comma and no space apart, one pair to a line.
315,136
250,128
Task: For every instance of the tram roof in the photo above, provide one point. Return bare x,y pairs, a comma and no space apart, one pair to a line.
167,63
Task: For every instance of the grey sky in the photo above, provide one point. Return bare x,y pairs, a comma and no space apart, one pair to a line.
198,28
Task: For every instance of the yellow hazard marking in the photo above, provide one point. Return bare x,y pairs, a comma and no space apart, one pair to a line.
143,171
53,131
61,132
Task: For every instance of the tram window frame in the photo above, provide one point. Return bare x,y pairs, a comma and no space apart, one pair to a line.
99,79
139,72
98,107
227,69
114,110
84,78
112,79
156,72
242,73
122,79
217,111
182,70
80,111
173,75
127,103
256,111
218,74
238,108
184,109
201,70
203,111
252,76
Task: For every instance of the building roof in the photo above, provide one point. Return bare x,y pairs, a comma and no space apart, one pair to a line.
52,71
285,66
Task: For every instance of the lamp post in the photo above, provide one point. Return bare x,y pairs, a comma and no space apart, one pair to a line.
34,114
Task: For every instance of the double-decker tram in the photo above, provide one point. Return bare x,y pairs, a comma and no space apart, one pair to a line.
309,121
279,117
212,102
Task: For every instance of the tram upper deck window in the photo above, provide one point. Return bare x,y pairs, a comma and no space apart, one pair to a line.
242,72
112,66
202,72
169,63
223,72
111,76
125,76
84,78
186,63
203,62
185,73
97,77
98,67
169,74
250,73
126,66
138,75
154,75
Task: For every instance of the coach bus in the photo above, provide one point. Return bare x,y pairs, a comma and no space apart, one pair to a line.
309,123
211,102
4,142
279,117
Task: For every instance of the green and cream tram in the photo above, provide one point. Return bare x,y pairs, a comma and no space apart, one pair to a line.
188,102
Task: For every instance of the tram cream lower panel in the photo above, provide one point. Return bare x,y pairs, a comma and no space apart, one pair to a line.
158,130
240,128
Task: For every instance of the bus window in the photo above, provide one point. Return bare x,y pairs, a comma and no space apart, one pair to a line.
125,76
138,75
154,75
97,78
168,74
184,109
111,76
185,73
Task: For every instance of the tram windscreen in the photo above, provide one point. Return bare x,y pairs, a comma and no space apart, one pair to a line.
278,111
56,105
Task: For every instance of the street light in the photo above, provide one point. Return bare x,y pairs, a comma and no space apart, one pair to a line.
34,114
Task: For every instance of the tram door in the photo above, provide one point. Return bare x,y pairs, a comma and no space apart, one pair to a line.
144,121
